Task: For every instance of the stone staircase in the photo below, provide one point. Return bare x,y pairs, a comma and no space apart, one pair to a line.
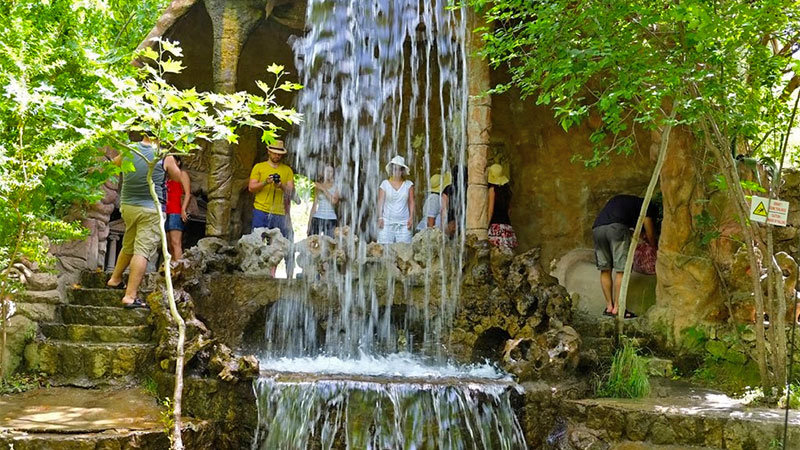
597,342
91,340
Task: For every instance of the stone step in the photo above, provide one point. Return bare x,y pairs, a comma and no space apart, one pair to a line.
151,439
96,333
93,279
88,364
104,315
96,279
683,422
604,326
37,312
50,297
603,346
95,296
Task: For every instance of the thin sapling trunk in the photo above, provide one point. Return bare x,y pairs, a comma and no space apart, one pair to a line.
626,275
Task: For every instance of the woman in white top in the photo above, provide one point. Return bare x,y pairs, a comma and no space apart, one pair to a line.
436,204
323,218
395,204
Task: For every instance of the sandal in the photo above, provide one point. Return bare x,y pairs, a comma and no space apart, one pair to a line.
120,286
630,315
136,303
608,313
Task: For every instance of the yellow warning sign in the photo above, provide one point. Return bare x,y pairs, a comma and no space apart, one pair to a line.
760,210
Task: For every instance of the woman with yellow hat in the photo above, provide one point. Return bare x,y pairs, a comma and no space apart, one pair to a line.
436,204
501,234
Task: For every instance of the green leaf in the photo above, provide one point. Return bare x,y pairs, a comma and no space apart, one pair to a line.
171,66
275,69
752,186
148,53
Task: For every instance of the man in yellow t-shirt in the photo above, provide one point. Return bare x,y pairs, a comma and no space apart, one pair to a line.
270,181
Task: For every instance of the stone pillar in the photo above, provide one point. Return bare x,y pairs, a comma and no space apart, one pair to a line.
479,125
232,22
687,287
111,251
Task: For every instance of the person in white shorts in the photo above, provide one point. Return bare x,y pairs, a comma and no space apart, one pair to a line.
395,204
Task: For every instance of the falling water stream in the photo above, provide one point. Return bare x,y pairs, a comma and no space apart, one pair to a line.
358,370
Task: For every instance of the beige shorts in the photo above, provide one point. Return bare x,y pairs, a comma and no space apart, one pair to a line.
141,230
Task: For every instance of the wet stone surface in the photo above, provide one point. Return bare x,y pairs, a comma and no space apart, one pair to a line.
78,410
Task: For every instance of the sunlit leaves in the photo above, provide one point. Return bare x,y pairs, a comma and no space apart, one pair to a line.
171,66
625,60
275,69
54,57
175,119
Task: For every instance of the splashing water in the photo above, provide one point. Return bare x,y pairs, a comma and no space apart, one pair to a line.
366,366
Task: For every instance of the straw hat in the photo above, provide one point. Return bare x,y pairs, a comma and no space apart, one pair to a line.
438,185
398,161
277,148
496,175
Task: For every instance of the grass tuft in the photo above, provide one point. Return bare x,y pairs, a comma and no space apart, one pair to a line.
628,376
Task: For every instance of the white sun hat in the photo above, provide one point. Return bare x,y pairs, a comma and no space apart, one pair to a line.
398,161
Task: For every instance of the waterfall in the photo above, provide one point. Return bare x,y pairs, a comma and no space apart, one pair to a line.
357,357
296,415
381,78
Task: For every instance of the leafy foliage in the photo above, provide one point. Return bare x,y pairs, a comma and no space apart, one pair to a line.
624,61
18,383
54,56
176,119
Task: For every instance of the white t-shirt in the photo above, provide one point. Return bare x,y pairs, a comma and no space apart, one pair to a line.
395,203
432,208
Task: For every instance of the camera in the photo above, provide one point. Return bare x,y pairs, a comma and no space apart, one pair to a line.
276,178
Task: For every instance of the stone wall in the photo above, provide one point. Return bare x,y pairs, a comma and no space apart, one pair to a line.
88,254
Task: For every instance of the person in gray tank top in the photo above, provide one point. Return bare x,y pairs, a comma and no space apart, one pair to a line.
142,219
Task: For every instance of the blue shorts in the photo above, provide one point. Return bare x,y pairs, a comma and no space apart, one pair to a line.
174,222
267,220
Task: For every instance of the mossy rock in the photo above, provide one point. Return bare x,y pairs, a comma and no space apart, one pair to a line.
717,349
735,357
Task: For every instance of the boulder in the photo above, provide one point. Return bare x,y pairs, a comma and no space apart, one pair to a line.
551,355
261,251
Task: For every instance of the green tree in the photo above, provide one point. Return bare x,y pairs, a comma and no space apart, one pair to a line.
724,69
53,56
175,120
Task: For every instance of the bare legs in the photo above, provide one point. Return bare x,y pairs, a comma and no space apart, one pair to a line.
609,286
138,265
175,244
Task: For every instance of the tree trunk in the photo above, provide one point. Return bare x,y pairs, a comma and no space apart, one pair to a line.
736,194
777,311
177,441
626,275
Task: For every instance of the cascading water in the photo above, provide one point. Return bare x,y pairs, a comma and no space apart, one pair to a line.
355,368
